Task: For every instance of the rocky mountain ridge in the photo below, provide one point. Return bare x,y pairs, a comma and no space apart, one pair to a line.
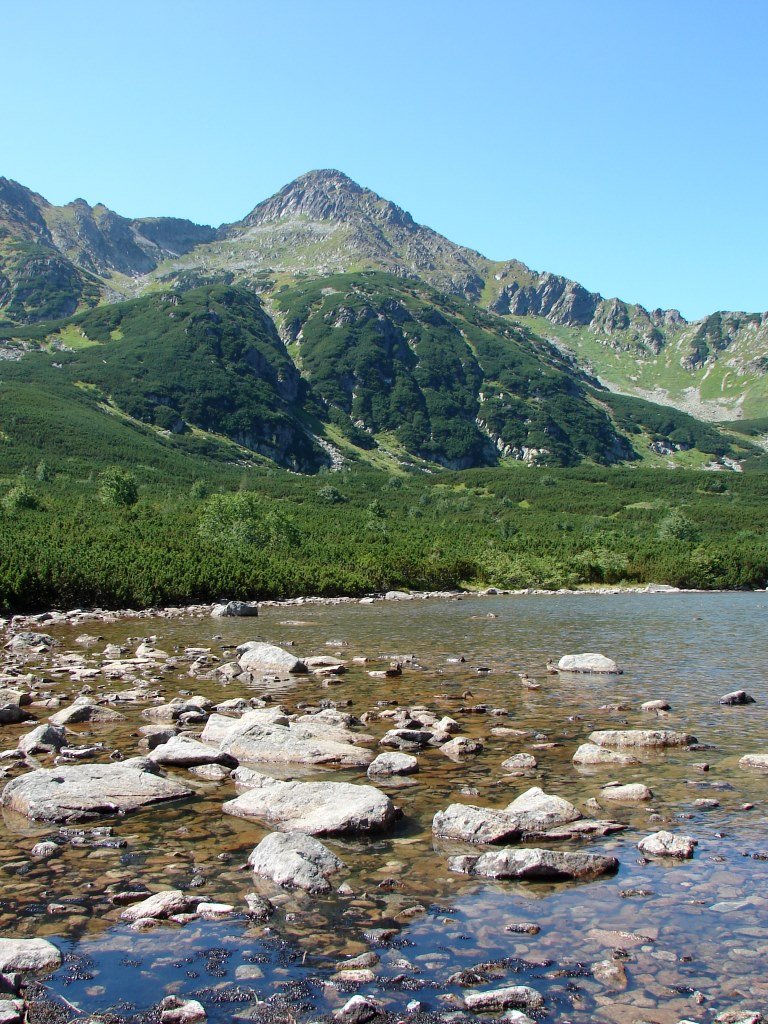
55,260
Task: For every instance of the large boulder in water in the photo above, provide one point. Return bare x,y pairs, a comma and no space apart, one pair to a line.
235,609
72,793
316,808
28,955
535,864
667,844
295,860
532,811
588,663
186,752
256,738
255,656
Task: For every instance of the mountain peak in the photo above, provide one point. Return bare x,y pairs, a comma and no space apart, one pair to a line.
327,194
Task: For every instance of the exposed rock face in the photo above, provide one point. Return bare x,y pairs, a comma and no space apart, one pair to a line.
78,792
533,811
556,298
667,844
650,738
316,808
295,860
535,864
593,664
255,656
28,955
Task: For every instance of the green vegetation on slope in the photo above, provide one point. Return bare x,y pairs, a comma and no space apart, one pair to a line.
209,358
453,384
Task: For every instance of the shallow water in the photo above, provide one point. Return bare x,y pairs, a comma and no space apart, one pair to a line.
693,940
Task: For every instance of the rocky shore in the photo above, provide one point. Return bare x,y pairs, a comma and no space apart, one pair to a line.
257,800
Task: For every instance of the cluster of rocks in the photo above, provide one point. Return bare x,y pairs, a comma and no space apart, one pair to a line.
221,741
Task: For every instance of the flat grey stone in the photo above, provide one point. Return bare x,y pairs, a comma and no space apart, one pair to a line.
186,752
535,864
650,738
316,808
72,793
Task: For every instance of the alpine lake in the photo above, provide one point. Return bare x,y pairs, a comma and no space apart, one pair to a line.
660,940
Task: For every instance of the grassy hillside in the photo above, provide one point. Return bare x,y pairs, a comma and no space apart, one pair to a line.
209,359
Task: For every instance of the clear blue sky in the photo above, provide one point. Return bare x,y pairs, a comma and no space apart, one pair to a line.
620,143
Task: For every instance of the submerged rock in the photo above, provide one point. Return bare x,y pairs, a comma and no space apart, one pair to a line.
536,864
295,860
77,792
596,664
316,808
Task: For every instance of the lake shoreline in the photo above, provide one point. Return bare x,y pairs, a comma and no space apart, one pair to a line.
74,616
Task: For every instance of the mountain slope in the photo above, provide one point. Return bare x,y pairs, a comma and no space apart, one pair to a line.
58,260
378,369
55,260
325,223
209,360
